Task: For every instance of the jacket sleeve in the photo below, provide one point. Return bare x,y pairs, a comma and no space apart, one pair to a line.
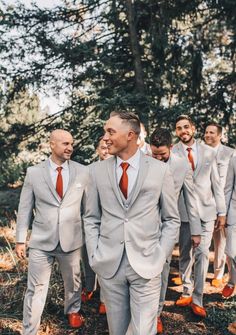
92,215
229,185
25,209
169,214
218,190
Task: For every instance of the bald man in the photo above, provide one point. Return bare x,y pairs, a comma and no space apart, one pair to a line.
55,190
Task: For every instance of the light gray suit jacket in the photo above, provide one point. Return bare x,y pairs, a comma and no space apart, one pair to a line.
230,192
112,224
209,191
223,156
184,186
55,220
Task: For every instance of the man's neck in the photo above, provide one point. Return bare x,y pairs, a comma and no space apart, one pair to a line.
190,143
57,161
125,156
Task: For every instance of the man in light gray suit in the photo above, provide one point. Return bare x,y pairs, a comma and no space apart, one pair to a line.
55,189
230,197
211,208
212,137
161,144
129,197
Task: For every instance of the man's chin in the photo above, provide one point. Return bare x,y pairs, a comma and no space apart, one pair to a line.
186,140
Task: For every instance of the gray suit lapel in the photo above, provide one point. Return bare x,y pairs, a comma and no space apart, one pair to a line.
48,179
72,176
111,167
181,150
143,169
199,158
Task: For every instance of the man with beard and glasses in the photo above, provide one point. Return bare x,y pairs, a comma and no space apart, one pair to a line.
161,145
212,137
129,196
55,190
211,208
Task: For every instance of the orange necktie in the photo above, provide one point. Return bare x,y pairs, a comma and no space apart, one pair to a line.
59,184
124,179
190,158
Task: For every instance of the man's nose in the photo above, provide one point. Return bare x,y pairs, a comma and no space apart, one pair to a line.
105,137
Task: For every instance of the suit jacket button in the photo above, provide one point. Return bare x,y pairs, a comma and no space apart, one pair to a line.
121,242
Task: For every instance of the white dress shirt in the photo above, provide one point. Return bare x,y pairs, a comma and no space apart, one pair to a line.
132,170
193,151
64,173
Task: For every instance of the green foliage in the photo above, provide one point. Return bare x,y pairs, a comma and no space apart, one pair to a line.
159,58
220,318
11,171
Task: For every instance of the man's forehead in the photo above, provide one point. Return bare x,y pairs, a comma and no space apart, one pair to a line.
211,128
183,123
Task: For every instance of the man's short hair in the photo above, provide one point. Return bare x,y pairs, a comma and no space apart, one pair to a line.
97,142
184,117
129,117
161,137
217,125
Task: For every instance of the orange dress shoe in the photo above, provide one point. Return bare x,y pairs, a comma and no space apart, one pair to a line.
198,310
102,308
75,320
177,281
228,290
183,301
216,282
160,327
86,295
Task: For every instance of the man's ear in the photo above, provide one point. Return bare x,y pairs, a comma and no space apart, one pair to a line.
132,135
171,146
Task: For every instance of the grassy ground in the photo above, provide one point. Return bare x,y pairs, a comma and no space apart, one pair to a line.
178,321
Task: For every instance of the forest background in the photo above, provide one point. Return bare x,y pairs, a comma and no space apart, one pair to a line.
158,58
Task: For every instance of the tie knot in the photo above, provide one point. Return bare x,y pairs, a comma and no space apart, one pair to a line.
189,149
59,168
124,166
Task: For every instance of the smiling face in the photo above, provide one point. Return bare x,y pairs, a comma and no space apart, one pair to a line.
61,143
120,139
161,153
102,150
212,137
185,131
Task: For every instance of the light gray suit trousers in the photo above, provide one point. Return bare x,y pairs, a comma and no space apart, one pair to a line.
210,202
230,197
223,156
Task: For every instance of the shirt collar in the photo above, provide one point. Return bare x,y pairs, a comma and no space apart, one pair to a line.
133,161
54,166
193,146
216,148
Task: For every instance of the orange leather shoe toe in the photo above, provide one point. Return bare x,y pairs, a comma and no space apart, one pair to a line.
75,320
198,310
177,281
183,301
227,291
160,327
216,282
102,308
